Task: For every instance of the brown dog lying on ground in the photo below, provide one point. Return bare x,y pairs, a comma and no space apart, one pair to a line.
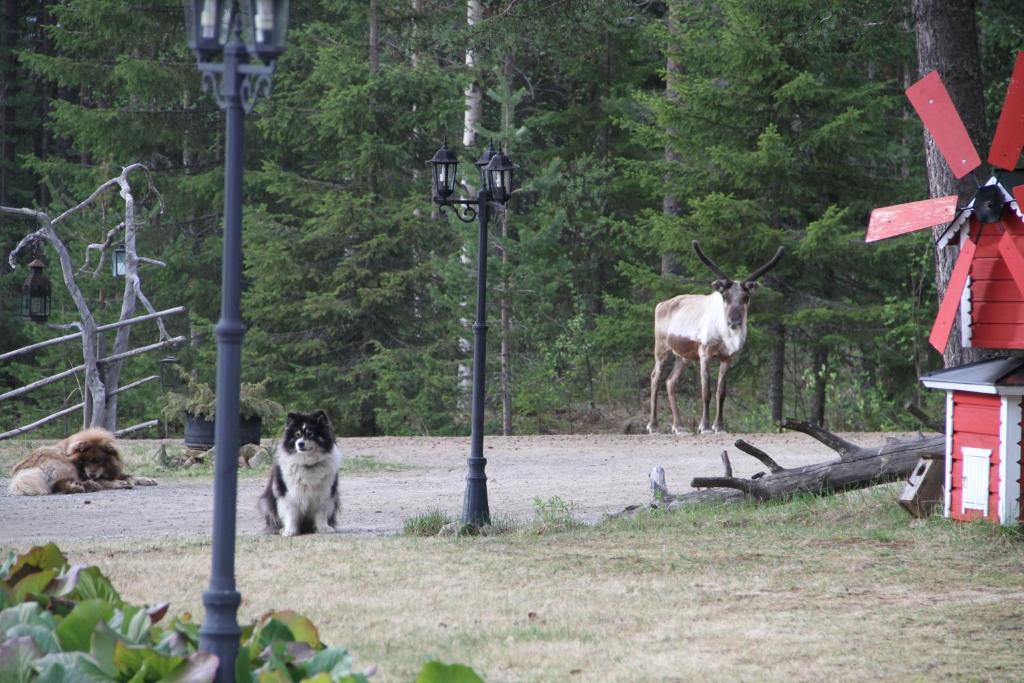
82,463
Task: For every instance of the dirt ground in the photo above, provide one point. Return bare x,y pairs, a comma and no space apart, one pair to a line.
597,474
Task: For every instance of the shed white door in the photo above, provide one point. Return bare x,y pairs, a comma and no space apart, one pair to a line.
975,478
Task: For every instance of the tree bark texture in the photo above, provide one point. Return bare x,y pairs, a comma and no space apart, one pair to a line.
777,372
947,42
508,120
8,132
671,204
374,36
857,467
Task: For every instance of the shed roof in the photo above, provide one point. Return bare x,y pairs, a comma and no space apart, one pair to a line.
995,376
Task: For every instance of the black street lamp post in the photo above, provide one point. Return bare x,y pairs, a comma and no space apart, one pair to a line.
216,28
496,185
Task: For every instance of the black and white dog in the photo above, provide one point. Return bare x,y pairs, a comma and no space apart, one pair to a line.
302,494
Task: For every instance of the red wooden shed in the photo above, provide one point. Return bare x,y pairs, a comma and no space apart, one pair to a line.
983,439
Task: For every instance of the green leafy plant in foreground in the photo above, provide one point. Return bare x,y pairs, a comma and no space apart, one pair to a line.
60,623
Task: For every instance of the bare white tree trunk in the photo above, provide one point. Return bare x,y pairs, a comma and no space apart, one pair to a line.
100,383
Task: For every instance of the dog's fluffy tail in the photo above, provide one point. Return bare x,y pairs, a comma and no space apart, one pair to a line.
30,482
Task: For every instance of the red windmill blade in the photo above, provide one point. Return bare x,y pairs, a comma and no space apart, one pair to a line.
889,221
1009,138
935,107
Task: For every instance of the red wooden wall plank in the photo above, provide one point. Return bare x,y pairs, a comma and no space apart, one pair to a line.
889,221
976,420
985,336
991,312
995,291
939,115
970,398
951,301
1009,138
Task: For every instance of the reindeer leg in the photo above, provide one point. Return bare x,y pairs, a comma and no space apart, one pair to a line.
705,393
660,354
670,385
719,425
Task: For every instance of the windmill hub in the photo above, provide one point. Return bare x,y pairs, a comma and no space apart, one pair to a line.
988,204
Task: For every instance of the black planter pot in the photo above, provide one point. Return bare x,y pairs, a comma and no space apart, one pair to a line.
199,432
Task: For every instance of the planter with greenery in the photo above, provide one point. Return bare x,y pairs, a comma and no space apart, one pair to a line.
197,402
68,623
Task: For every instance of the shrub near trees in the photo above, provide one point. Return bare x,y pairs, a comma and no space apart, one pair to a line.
638,126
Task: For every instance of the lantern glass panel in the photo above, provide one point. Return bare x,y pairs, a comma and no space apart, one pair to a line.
117,262
444,177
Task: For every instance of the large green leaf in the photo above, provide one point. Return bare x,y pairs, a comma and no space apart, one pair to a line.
75,632
25,613
38,558
437,672
201,667
130,659
70,667
333,661
33,584
93,584
101,647
302,628
42,635
16,657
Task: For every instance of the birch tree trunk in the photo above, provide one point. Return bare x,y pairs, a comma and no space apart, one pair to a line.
947,42
474,97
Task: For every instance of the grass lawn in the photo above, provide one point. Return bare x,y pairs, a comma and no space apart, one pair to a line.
842,588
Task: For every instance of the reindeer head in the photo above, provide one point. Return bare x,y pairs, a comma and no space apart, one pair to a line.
736,294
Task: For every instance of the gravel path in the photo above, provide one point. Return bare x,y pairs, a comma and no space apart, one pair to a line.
596,473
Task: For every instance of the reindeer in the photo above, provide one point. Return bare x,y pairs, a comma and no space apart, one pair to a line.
703,327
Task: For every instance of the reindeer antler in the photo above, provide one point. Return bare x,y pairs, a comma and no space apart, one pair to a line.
766,267
708,262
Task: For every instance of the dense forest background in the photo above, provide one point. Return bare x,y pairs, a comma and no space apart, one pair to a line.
638,126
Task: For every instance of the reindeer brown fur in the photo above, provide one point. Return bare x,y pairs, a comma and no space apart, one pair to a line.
704,327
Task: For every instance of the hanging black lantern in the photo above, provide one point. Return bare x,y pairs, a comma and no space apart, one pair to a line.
117,261
265,27
481,165
206,22
499,177
169,377
35,294
445,165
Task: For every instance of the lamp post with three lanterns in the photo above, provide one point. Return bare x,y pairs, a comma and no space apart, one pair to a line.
495,186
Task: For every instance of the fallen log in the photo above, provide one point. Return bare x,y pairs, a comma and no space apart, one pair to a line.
857,467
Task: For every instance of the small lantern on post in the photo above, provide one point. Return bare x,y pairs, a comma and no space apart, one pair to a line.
265,36
499,177
35,294
481,165
117,266
445,166
170,380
